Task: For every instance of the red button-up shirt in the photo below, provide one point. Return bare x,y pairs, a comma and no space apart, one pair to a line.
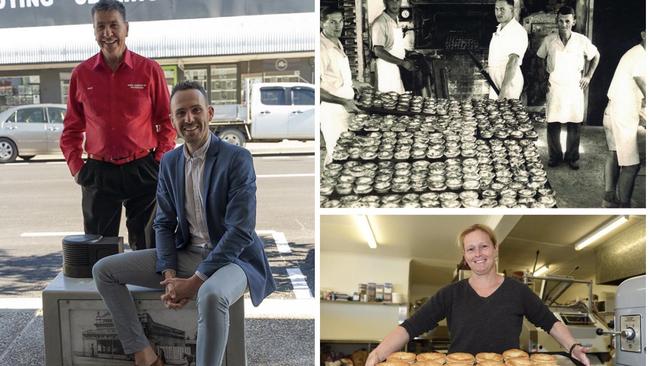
122,112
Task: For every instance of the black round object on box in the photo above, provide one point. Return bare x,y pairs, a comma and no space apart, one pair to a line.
76,255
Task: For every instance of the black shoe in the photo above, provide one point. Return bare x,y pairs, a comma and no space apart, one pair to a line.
573,165
553,163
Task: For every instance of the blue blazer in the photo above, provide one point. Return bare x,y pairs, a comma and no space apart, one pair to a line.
229,200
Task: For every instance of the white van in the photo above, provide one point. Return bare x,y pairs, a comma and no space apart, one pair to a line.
276,111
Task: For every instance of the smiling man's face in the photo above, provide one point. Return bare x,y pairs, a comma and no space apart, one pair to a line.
191,116
111,31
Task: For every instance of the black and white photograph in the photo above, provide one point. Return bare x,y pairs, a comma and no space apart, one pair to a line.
482,104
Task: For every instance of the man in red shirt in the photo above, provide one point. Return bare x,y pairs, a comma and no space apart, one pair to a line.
120,100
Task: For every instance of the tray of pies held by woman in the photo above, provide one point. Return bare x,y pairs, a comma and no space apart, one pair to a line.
511,357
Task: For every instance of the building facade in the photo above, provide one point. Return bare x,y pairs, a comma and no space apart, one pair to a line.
225,47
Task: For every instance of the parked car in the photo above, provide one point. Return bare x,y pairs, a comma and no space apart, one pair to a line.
29,130
275,111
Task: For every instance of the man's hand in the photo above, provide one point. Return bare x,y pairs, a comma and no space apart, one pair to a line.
408,65
76,177
502,92
178,291
580,353
351,107
360,85
584,82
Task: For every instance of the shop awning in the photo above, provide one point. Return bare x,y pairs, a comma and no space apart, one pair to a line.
243,35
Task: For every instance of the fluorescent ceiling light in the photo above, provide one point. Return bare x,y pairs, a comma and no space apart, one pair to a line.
541,270
364,225
601,232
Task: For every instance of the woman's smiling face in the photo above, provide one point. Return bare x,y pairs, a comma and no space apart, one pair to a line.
479,252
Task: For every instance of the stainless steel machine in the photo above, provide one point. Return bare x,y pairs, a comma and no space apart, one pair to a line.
578,317
629,323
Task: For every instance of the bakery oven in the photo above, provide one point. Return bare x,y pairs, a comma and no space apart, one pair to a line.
453,25
444,31
629,323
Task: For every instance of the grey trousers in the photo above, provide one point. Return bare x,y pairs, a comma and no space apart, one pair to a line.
222,289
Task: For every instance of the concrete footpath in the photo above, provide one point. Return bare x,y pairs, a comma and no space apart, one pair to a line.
278,332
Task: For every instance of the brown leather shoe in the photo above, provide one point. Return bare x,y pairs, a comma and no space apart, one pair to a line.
158,362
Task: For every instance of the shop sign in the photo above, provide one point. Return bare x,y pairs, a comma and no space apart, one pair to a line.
281,64
35,13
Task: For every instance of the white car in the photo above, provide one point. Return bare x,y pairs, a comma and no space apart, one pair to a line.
29,130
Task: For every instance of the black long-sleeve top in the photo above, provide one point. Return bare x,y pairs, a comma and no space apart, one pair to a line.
481,324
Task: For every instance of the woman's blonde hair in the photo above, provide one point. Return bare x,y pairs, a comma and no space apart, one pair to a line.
484,228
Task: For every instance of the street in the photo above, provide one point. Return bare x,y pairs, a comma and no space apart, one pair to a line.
40,203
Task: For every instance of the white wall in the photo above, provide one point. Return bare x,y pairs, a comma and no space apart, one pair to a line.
343,272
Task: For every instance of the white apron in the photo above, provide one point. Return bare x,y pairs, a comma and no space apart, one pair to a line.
621,122
333,117
497,73
388,77
565,99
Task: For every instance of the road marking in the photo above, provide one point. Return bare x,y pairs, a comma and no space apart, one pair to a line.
269,308
286,157
299,283
49,233
21,303
284,175
281,309
56,163
281,242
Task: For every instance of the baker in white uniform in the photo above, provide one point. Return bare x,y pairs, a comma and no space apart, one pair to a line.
507,49
621,121
565,54
388,46
336,85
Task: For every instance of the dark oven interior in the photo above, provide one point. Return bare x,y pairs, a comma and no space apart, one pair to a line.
453,26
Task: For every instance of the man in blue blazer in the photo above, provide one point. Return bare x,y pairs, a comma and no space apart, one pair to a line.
206,246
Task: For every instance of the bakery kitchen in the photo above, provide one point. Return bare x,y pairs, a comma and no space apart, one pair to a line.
493,290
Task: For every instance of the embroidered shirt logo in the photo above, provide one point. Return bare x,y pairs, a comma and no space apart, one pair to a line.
137,86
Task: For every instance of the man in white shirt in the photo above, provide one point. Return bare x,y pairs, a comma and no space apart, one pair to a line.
507,49
621,121
565,54
388,45
336,84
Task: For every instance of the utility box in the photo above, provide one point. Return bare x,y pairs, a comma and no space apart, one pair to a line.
79,329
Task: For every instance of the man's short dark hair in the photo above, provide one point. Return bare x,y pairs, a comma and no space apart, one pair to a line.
328,11
509,2
109,5
566,10
189,85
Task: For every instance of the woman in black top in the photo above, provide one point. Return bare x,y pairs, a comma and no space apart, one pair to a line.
485,312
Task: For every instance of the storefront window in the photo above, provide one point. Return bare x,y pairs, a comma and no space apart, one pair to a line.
223,83
170,76
19,90
64,78
198,75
